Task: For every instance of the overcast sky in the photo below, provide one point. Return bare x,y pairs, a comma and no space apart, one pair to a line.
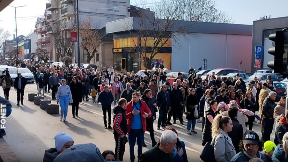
241,12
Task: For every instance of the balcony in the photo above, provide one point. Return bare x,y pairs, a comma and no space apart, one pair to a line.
55,16
44,29
48,6
49,17
68,10
67,1
51,29
54,5
45,39
39,41
68,25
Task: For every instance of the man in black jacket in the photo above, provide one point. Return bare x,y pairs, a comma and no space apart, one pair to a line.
120,129
106,99
19,85
127,93
268,119
237,131
176,103
222,96
151,103
162,151
163,103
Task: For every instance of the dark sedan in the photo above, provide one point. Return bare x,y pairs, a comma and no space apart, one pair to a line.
263,77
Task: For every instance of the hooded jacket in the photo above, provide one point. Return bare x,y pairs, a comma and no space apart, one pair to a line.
150,103
120,121
50,155
281,129
279,154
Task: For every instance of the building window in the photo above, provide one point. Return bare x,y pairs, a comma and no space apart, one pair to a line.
97,57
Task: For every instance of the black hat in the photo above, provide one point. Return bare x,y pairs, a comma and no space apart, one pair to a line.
251,82
251,138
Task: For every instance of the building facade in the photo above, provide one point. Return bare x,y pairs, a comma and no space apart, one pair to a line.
213,45
261,31
222,45
43,37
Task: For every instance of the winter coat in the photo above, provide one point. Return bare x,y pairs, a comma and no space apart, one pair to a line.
192,102
76,91
128,96
248,104
8,82
223,147
279,154
279,110
120,121
155,155
114,87
268,108
42,83
106,99
225,99
242,157
150,103
281,129
154,89
143,108
163,100
236,134
50,155
176,97
176,157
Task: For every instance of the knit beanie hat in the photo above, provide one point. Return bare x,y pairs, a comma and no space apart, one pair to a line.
60,140
268,146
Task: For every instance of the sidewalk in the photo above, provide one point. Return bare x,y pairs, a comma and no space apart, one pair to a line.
6,153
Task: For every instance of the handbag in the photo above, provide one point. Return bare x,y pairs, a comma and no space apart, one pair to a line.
196,114
207,154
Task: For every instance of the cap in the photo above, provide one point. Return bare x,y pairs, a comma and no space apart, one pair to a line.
83,152
269,145
251,138
61,139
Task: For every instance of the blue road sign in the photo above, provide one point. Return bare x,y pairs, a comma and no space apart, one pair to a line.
259,52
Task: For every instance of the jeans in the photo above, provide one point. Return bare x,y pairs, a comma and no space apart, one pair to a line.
116,98
250,122
162,117
43,90
64,103
133,135
191,123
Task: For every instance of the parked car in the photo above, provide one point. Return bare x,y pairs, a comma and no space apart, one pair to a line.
263,77
264,71
244,76
221,71
87,66
58,64
173,75
26,73
280,89
202,72
12,71
142,74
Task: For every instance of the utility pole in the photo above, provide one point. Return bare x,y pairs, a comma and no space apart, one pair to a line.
78,37
16,33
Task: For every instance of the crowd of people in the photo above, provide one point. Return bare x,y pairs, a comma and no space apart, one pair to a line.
226,108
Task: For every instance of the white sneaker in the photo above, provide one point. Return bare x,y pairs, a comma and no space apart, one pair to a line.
189,132
61,119
64,120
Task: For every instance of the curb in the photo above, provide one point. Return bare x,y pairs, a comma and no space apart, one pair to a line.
6,153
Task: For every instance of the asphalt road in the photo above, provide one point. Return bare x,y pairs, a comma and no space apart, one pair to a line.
30,130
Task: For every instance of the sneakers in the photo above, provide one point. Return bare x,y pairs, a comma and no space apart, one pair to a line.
193,131
61,118
109,127
189,132
144,144
64,120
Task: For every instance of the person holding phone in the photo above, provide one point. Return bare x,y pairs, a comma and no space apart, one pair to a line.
137,111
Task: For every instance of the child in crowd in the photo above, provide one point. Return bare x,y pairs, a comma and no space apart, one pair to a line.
93,94
63,141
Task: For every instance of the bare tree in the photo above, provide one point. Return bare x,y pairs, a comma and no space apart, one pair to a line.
43,54
193,10
90,40
63,45
3,35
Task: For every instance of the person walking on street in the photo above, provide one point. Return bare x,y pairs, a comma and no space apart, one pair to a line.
268,119
19,85
137,111
76,90
6,83
120,128
64,96
53,83
106,99
151,103
41,85
176,103
163,103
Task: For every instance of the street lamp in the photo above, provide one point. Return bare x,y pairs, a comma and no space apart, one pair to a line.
17,49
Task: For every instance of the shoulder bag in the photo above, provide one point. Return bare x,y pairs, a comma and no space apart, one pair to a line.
207,154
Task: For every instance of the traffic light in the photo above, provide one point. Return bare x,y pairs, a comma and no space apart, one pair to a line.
278,51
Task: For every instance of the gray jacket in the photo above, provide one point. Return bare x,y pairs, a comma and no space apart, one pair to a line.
223,147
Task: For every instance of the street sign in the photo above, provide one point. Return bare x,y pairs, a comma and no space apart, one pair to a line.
259,50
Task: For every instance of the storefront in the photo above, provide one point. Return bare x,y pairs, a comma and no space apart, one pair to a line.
128,53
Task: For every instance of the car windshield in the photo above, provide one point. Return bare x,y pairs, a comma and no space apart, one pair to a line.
12,70
185,75
24,71
280,85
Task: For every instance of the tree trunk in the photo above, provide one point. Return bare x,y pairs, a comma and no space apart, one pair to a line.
148,63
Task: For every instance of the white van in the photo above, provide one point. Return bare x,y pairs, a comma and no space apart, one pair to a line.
12,71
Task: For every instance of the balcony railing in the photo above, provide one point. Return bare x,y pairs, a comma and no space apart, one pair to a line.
64,10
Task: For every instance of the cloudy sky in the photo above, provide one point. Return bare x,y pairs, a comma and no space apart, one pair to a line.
241,12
